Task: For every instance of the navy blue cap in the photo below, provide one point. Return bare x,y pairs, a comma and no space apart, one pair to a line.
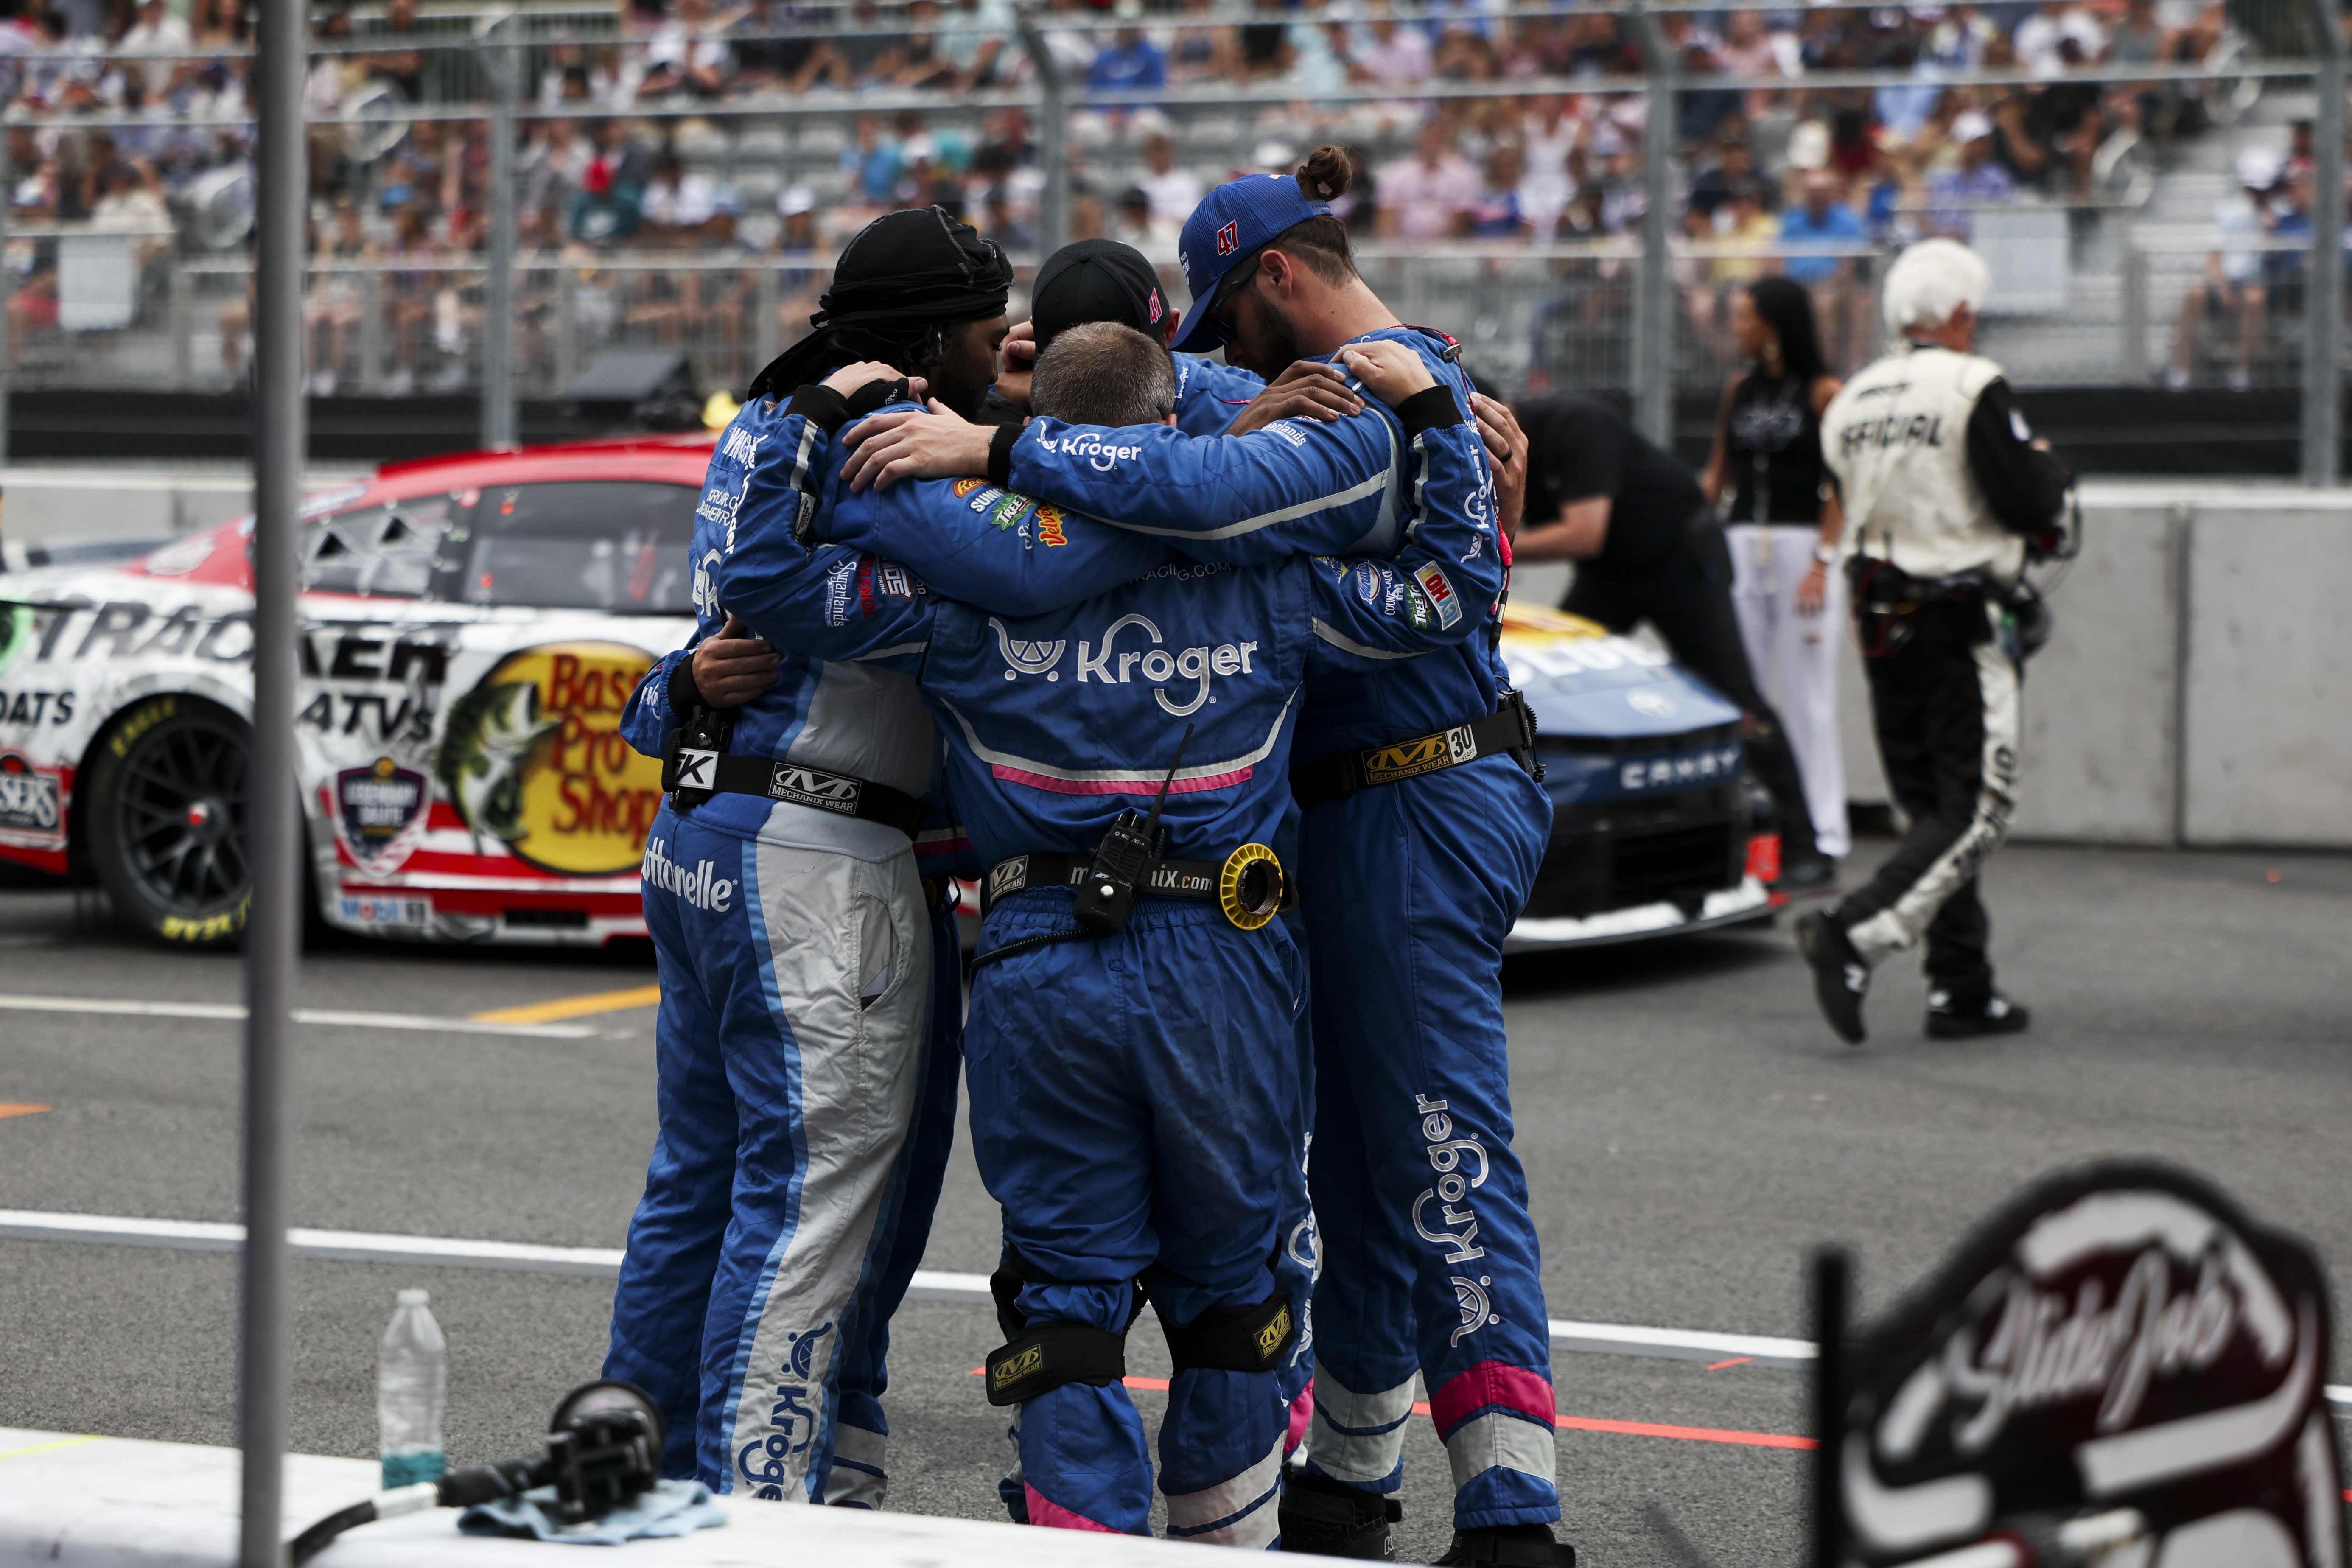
1230,221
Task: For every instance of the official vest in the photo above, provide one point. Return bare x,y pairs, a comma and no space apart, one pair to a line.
1896,436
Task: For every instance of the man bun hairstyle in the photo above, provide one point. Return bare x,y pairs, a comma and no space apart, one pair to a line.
1104,372
1321,244
1325,175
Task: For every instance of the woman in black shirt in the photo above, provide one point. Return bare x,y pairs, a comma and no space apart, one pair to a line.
1783,529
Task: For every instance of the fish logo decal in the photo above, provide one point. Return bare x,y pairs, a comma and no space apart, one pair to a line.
493,730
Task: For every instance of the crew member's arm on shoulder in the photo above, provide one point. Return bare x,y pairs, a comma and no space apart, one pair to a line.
828,601
2022,483
987,545
1442,586
1243,500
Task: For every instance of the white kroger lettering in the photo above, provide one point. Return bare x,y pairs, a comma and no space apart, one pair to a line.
1200,664
1101,455
1457,1227
698,887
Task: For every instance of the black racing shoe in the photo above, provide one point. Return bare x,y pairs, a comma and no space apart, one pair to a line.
1805,874
1841,979
1332,1519
1509,1546
1949,1019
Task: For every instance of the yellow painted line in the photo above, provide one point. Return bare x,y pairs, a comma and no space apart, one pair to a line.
52,1447
572,1007
7,1111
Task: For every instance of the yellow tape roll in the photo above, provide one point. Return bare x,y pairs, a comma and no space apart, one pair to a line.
1251,910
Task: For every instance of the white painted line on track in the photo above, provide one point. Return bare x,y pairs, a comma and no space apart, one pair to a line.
929,1284
333,1017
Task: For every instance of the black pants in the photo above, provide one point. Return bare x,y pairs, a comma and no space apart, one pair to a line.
1945,704
1689,599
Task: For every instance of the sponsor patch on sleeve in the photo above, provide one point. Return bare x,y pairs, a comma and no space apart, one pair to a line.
1440,590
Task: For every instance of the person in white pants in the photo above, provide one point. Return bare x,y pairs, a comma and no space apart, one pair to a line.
1783,528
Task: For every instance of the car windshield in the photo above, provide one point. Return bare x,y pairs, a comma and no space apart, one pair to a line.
613,545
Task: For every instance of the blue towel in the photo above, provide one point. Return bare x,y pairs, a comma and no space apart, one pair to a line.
672,1508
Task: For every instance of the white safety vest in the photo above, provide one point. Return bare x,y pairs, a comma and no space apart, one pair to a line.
1896,435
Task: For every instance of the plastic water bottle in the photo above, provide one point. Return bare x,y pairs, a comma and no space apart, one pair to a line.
412,1378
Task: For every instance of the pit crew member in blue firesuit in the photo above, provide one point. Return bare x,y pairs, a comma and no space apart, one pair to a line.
1944,486
1134,1101
1420,839
810,999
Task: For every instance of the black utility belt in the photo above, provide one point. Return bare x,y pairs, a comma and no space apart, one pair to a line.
1249,885
695,774
1510,729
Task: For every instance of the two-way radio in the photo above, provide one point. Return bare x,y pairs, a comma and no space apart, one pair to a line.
1124,858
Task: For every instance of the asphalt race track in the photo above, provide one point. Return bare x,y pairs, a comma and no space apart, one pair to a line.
1689,1126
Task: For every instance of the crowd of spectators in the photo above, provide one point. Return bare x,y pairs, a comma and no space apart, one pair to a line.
1773,170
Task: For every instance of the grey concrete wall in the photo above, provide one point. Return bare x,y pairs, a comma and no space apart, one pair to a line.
2268,704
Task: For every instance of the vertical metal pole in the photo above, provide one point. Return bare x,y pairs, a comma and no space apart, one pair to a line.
8,186
372,330
2323,379
273,817
1653,328
767,289
2133,361
1832,1290
497,312
184,357
567,326
1053,141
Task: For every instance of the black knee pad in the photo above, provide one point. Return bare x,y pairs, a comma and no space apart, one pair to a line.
1014,1271
1051,1354
1234,1339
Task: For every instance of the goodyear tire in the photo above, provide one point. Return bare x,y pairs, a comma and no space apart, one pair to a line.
164,791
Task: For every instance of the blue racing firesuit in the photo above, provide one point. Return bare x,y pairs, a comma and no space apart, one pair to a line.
810,1007
1135,1101
1209,395
1428,1259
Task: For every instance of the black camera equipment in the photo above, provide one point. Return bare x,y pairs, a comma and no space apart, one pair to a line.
690,755
1124,858
603,1448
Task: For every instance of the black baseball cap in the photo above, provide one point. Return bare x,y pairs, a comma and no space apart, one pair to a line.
1097,280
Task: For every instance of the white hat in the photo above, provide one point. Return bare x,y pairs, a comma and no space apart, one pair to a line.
920,149
796,199
1971,125
2259,168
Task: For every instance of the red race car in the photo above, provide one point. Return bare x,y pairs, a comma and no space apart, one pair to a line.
472,625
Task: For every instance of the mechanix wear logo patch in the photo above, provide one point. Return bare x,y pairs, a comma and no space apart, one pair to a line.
1424,754
1028,1363
1274,1335
806,786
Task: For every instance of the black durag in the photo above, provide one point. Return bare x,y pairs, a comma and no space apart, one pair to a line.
903,278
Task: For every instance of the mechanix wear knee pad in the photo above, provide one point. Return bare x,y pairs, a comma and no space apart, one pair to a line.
1051,1355
1234,1339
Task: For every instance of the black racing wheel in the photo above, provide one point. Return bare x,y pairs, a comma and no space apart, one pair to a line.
164,798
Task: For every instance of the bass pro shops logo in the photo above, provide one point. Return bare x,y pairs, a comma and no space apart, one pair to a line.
1200,664
28,799
1458,1226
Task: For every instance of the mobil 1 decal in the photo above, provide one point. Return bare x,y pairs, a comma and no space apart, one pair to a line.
2120,1370
533,757
382,810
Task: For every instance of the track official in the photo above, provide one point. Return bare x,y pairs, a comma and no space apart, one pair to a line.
1945,490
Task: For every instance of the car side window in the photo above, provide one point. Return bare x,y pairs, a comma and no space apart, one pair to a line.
615,545
381,550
